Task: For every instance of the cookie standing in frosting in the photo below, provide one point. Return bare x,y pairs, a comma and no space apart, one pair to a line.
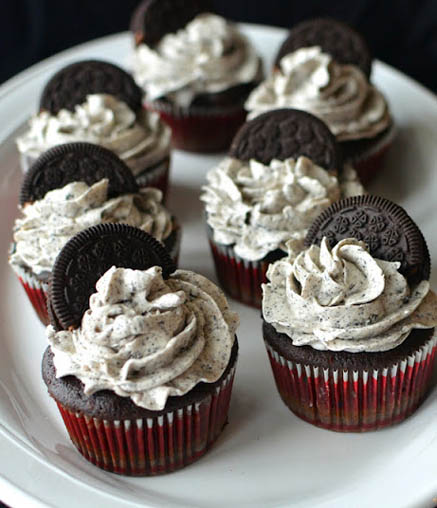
209,55
103,120
148,338
48,223
343,299
196,70
340,95
97,102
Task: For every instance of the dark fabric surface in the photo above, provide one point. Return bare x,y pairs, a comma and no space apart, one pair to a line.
402,33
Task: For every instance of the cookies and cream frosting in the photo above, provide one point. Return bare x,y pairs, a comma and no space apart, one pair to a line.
47,224
148,338
340,95
259,208
343,299
102,120
208,55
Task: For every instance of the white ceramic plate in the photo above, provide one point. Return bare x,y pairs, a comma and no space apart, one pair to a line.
266,456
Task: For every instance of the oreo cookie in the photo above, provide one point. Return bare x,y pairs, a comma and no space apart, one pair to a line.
284,133
385,227
153,19
76,162
71,85
337,39
88,255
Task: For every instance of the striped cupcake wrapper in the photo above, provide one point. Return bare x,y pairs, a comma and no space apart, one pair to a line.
151,446
354,401
199,129
157,177
36,292
240,278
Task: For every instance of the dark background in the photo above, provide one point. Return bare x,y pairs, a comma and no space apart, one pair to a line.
402,33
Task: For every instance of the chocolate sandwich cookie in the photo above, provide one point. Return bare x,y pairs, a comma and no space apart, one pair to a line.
286,133
153,19
385,227
88,255
337,39
76,162
73,83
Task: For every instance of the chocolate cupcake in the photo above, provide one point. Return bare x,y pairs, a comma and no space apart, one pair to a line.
196,70
349,322
72,187
141,358
323,67
281,173
99,103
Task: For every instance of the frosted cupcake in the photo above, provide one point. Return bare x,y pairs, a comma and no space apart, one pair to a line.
349,322
196,70
99,103
72,187
323,68
280,175
141,360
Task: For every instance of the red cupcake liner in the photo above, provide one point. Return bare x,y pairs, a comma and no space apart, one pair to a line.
36,292
370,164
157,177
151,446
198,129
238,277
354,401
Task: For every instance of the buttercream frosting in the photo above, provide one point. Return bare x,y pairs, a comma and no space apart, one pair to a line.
148,338
208,55
259,208
340,95
102,120
47,224
343,299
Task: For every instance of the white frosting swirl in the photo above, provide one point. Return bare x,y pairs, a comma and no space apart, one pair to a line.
148,338
208,55
47,224
338,94
345,300
102,120
259,208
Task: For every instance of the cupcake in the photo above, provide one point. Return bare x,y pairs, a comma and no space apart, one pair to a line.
349,322
281,173
69,188
141,358
196,70
323,67
97,102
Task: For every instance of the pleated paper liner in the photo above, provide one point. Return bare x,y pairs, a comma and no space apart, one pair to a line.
352,400
239,278
198,129
152,446
36,291
371,162
156,176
